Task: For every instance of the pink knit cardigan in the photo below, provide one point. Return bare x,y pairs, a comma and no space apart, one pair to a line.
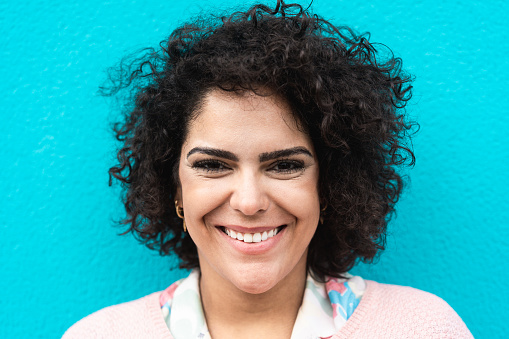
385,311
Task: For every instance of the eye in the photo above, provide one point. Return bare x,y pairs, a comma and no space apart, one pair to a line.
211,166
287,166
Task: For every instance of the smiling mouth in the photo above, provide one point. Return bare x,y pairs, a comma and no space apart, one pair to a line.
252,237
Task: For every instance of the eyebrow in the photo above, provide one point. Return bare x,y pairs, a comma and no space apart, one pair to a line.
284,153
262,158
214,152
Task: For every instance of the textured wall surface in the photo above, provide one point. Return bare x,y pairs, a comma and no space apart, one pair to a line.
60,256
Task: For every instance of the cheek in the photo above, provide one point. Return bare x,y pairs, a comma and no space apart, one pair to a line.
300,200
200,195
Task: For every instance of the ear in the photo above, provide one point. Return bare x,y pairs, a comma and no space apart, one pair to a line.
178,195
176,181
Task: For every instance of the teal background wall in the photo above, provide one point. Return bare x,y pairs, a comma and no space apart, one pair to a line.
60,256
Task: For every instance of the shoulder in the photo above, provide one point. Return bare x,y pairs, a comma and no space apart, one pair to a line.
141,318
407,298
400,311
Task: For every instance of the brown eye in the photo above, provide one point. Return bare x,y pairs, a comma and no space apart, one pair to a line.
210,166
287,166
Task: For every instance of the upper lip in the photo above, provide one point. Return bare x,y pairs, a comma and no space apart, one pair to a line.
243,229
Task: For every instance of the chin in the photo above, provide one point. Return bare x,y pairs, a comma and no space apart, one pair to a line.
256,288
257,281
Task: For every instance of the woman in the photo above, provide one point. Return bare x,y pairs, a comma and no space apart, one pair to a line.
262,149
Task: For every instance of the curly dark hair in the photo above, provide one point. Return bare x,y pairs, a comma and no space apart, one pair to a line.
347,96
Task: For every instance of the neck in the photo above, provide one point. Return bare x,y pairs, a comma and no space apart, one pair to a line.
233,313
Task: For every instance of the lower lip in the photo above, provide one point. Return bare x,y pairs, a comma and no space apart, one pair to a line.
253,248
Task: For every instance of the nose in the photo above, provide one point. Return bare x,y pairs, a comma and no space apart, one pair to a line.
249,194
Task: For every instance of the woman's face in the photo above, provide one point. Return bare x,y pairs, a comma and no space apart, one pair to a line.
247,172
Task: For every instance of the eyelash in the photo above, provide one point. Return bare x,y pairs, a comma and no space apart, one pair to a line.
214,166
295,166
210,165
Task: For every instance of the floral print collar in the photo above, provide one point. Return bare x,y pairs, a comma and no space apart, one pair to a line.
324,310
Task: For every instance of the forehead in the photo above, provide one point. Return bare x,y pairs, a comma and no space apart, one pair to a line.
226,118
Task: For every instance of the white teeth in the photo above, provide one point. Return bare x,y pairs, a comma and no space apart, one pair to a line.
257,237
251,237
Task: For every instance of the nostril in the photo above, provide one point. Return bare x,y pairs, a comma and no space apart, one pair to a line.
249,202
249,191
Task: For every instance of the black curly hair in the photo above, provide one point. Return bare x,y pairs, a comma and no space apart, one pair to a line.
348,97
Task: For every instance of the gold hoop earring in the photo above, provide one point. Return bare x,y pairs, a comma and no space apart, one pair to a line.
322,212
180,214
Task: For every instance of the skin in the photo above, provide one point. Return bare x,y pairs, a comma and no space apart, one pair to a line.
245,165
